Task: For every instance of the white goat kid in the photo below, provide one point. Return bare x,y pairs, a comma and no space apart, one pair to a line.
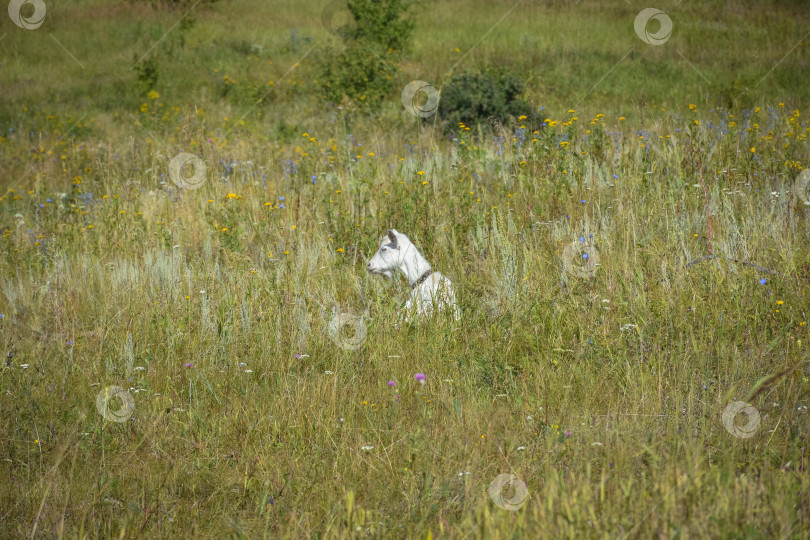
429,290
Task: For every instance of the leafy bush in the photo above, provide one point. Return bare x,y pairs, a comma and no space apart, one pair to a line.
473,98
356,74
384,23
364,68
147,71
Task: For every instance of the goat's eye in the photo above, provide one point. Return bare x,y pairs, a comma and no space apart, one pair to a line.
382,249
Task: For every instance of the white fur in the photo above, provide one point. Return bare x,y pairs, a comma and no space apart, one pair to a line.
436,292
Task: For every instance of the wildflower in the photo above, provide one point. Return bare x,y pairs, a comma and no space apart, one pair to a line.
779,302
567,433
391,383
189,365
763,281
420,377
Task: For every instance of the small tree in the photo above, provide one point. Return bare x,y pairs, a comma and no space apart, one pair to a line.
364,68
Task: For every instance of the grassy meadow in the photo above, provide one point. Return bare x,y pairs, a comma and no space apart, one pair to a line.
631,257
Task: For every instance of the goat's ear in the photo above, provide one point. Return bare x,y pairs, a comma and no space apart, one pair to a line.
392,236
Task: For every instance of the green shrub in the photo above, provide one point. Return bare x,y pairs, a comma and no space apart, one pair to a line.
474,98
364,68
147,71
384,23
356,74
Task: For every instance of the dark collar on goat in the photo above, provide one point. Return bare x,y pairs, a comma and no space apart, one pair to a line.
422,279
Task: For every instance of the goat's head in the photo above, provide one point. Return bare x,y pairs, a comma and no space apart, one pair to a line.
389,257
